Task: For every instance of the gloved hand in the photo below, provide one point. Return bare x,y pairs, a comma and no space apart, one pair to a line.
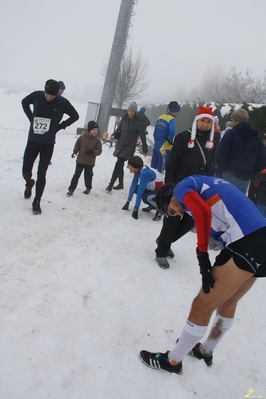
125,207
73,155
89,152
135,213
205,270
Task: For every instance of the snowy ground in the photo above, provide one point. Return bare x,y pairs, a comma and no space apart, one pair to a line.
81,293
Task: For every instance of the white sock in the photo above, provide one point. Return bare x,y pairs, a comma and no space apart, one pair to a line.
191,334
220,326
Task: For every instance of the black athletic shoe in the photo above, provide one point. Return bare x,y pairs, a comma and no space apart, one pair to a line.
170,253
70,193
196,351
158,216
109,188
36,207
87,191
27,192
148,209
160,361
162,262
118,187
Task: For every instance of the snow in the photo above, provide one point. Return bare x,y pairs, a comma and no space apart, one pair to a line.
81,293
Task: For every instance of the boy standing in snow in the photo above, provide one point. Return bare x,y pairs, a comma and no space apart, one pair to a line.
88,146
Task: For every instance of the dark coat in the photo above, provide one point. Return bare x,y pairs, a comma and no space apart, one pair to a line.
51,110
184,161
144,119
126,134
87,142
240,152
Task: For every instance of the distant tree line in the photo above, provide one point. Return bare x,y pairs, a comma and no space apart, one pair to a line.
221,91
257,114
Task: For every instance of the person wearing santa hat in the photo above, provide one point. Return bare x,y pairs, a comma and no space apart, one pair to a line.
193,152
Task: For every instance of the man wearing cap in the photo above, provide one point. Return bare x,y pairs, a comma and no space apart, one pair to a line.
241,153
222,212
193,152
164,133
145,183
45,118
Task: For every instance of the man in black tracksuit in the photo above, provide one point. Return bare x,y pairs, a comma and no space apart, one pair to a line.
193,152
45,121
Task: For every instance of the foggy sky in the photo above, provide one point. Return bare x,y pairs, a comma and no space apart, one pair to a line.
181,39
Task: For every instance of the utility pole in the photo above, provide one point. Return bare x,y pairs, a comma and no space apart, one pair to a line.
117,52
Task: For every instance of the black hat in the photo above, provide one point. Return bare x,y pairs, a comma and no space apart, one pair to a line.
163,197
173,106
92,125
51,87
136,162
61,85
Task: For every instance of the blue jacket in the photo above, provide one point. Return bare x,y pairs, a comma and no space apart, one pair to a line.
240,152
164,130
140,182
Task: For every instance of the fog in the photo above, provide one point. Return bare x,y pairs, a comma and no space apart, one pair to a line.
181,40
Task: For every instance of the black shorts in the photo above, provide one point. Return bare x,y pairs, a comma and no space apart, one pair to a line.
249,253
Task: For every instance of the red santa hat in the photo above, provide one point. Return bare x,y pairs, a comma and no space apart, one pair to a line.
203,112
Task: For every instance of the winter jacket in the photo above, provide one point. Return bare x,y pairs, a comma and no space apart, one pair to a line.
257,189
46,116
144,119
184,161
127,133
87,142
147,179
164,130
240,152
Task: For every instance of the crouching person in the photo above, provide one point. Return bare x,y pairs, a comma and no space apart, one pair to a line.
145,183
222,211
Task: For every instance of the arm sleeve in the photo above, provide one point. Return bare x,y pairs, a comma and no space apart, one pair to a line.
222,153
144,179
143,137
172,125
26,102
133,187
202,216
72,113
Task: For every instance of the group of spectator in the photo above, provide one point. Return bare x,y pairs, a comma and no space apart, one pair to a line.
205,183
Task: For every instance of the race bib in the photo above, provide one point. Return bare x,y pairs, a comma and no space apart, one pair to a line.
41,125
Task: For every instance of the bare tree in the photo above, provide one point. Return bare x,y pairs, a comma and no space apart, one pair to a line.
132,79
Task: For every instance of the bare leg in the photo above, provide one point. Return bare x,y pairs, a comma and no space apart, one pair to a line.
231,283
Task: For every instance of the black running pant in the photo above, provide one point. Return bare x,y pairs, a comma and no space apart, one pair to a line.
118,172
32,150
87,176
174,227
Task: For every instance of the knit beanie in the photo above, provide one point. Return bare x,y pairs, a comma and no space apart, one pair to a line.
51,87
203,112
133,106
164,196
173,106
136,162
92,125
240,115
61,85
142,109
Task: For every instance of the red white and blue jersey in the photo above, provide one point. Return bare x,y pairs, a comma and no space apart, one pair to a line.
220,209
148,179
